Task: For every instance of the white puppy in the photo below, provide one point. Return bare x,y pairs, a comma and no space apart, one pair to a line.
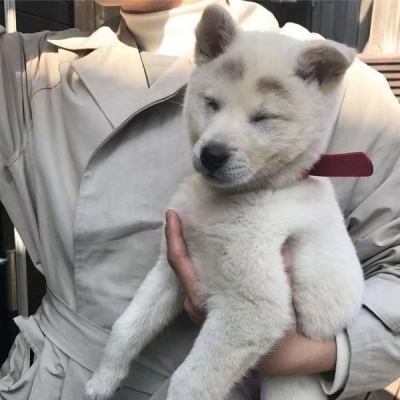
259,112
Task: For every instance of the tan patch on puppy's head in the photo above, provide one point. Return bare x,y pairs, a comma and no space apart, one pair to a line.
269,84
231,69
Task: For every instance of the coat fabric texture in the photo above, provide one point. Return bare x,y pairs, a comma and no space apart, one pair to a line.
92,146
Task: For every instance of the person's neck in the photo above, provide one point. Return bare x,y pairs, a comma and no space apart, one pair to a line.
169,31
145,6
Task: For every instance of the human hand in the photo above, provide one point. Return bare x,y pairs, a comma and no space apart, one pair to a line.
183,267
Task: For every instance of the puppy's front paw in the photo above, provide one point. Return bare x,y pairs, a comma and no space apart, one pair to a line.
102,386
183,387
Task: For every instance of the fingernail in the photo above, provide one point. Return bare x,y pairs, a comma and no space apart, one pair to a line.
167,215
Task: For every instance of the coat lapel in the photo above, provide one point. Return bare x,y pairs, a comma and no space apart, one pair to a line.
113,73
114,77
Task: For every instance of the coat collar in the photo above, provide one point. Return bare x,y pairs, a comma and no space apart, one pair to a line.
108,34
112,71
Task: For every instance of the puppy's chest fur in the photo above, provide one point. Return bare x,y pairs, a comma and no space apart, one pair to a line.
225,233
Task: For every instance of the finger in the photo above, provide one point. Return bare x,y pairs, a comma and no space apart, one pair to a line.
177,255
174,235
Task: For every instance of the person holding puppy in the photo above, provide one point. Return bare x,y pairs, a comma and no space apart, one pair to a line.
90,131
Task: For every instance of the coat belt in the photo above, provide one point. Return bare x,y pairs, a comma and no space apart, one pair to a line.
84,341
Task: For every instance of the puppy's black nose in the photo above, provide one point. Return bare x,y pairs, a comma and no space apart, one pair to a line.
214,156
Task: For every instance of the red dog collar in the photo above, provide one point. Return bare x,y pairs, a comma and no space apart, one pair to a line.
355,164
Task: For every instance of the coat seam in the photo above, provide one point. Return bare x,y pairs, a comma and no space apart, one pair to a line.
28,339
5,159
23,209
21,150
44,88
24,143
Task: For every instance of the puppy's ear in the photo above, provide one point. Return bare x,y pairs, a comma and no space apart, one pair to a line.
214,33
325,62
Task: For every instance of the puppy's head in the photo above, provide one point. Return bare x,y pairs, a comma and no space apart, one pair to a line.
259,106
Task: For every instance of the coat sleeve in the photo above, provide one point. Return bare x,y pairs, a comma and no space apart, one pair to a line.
370,121
15,120
21,76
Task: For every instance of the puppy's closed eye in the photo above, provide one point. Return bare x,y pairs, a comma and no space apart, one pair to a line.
262,117
211,103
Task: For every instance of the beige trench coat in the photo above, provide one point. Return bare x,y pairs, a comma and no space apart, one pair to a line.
89,156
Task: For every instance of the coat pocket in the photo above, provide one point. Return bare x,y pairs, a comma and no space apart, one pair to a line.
382,298
18,372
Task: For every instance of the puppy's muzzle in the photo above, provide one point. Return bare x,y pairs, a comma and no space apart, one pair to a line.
214,155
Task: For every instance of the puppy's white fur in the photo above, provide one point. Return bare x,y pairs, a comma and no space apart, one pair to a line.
268,99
